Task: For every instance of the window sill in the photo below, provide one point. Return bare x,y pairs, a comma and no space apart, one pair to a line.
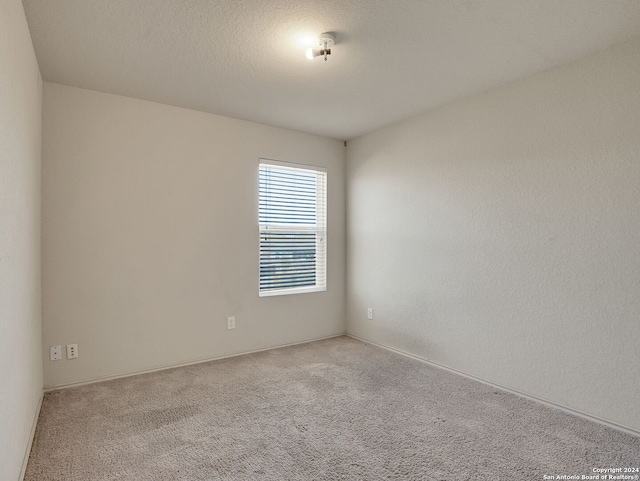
285,292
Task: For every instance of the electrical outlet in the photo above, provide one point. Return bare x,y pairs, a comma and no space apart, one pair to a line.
369,312
55,353
231,322
72,351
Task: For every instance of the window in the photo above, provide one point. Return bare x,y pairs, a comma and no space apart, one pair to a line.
292,213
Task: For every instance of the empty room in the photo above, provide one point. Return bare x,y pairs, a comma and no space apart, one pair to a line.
319,240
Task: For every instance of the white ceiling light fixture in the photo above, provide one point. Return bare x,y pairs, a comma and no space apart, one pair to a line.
325,42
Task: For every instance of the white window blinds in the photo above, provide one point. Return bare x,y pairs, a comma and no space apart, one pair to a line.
292,214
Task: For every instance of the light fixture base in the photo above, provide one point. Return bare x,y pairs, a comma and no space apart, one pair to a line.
327,38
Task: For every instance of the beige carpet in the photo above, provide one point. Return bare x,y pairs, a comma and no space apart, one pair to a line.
337,409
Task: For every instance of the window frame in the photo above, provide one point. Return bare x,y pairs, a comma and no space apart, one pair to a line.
320,229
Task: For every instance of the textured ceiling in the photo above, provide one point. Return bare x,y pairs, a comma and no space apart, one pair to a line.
245,58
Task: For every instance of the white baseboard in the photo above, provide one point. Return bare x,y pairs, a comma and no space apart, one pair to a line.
182,364
34,423
551,404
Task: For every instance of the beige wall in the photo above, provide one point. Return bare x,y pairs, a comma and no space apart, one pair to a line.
20,326
500,235
150,235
